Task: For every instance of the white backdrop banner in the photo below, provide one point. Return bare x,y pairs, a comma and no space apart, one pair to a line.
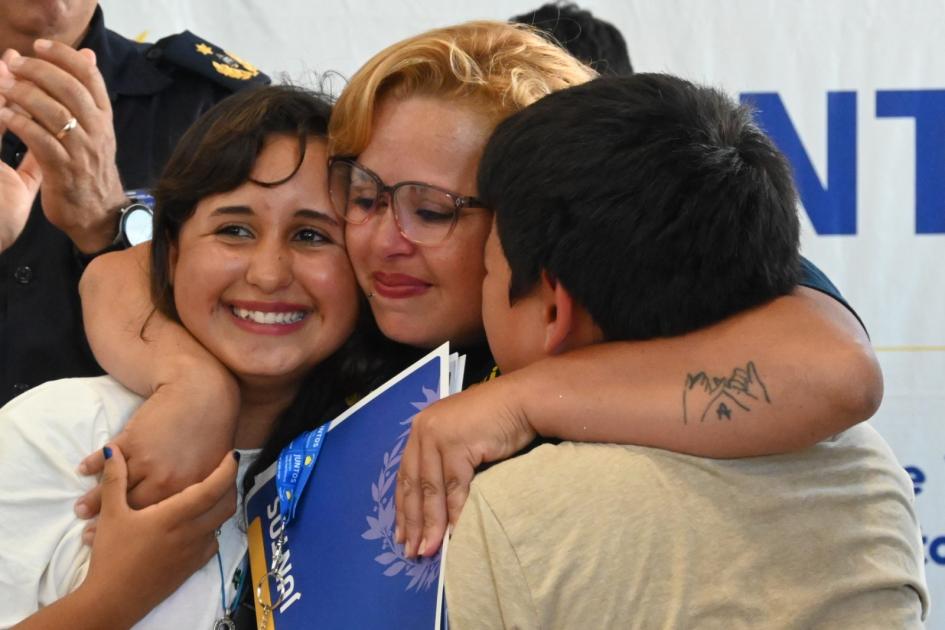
852,90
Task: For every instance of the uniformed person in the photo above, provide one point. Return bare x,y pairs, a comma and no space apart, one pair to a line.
130,115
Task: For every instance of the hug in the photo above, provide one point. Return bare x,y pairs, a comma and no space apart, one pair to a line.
611,241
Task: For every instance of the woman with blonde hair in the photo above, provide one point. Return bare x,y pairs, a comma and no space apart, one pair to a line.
417,116
406,136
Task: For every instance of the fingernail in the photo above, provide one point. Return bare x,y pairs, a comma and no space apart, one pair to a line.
81,509
7,82
236,455
107,452
83,468
15,62
42,44
423,547
397,538
87,539
6,114
408,550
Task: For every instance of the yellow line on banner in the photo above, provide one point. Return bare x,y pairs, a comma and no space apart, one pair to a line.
910,348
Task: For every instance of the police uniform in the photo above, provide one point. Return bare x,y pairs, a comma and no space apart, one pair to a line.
157,91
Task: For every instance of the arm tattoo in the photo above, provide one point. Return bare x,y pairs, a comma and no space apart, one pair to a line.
719,397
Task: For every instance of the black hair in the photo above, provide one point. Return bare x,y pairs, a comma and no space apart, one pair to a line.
592,40
659,204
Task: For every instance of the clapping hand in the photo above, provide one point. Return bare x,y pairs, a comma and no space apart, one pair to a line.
18,188
57,104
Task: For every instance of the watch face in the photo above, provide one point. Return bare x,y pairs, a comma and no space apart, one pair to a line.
136,224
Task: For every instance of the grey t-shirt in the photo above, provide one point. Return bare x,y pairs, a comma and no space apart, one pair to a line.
594,536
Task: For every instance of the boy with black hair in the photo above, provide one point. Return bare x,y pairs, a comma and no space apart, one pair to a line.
658,207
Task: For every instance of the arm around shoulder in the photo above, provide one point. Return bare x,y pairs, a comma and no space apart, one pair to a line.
189,392
777,378
135,343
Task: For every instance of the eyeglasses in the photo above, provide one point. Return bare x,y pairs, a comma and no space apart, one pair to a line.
424,214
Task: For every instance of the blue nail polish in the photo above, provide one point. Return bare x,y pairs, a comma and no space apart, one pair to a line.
107,452
236,455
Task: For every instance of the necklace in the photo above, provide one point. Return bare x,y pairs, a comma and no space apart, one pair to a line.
266,607
226,621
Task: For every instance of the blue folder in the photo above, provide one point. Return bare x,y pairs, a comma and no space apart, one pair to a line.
341,567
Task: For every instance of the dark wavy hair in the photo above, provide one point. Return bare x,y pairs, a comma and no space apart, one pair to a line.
217,154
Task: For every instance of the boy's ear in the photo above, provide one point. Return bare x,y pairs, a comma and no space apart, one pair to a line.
558,309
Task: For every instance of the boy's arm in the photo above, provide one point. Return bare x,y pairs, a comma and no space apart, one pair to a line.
777,378
186,425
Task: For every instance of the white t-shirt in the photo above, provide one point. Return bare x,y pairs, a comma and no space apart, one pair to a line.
44,434
608,536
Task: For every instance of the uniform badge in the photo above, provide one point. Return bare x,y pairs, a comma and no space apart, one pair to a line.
200,56
227,64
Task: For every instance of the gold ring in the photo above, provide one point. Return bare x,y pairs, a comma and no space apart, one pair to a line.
71,124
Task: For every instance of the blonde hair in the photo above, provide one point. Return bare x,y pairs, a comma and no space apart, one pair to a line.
497,67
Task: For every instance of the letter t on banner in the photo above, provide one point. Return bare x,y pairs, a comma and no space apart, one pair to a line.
928,109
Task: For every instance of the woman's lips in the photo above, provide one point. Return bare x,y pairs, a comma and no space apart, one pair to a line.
398,286
268,318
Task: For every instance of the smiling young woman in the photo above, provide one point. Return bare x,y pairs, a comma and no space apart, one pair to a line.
249,258
276,287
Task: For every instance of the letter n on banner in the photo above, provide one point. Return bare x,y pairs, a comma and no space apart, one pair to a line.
831,207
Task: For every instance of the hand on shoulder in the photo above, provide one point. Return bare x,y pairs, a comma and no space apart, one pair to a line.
448,441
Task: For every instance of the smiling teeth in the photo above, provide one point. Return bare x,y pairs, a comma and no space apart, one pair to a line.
261,317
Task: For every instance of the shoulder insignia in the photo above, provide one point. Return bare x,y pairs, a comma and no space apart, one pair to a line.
201,57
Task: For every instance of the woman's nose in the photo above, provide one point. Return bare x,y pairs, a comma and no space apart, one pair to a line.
270,267
386,235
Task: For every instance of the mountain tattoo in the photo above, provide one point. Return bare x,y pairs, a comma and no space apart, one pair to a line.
723,398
